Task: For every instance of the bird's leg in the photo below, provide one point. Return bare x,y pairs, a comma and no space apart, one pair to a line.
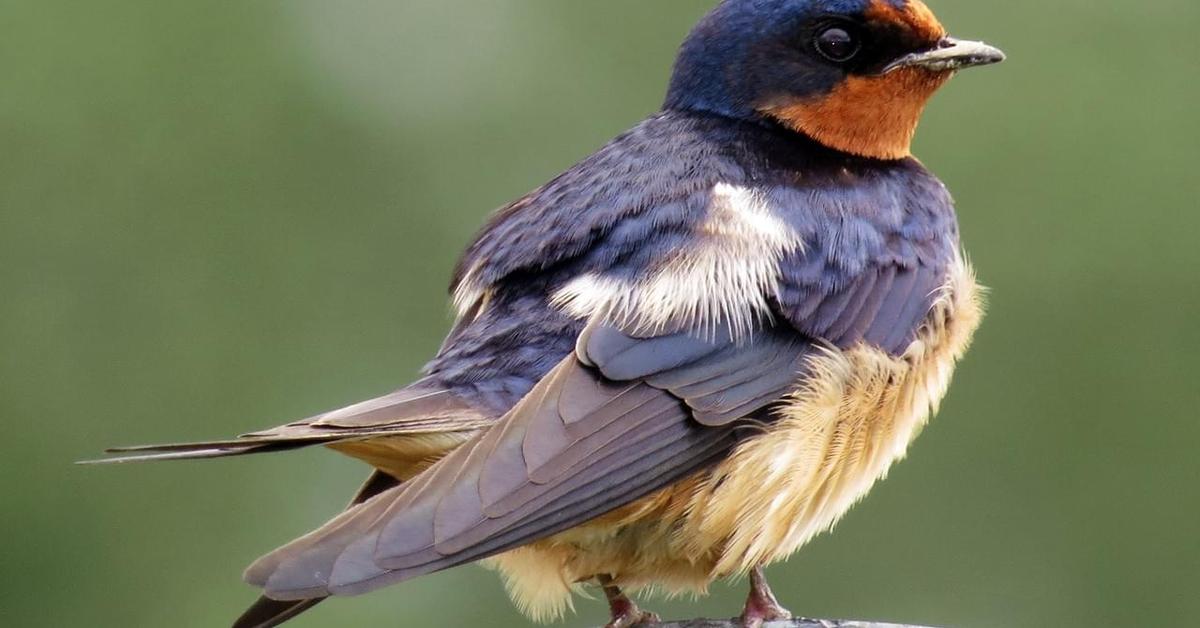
625,612
761,605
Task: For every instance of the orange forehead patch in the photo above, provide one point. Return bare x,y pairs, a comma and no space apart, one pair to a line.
914,17
871,116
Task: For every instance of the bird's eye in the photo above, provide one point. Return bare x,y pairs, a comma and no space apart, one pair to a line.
837,44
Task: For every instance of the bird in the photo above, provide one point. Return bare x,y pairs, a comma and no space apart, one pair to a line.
684,357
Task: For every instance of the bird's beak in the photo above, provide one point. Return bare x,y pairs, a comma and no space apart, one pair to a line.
950,54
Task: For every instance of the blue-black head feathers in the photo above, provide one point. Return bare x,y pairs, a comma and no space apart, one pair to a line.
853,74
746,50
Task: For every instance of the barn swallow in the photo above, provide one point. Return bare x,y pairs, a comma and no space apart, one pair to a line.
684,357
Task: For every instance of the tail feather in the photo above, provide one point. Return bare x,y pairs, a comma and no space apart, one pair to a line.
268,613
208,449
419,409
202,450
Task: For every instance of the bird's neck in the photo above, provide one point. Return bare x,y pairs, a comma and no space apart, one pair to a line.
790,134
874,117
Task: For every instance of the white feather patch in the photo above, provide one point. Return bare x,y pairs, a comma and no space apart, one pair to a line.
468,291
726,273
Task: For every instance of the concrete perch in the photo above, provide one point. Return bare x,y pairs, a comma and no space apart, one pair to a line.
792,623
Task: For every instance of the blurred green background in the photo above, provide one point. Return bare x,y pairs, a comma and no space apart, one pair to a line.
219,216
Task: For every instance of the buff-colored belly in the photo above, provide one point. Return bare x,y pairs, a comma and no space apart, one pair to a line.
834,437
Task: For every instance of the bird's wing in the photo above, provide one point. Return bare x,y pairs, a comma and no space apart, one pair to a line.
416,410
882,306
622,417
627,414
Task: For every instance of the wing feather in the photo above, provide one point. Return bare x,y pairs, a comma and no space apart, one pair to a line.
266,612
359,569
888,316
628,414
580,444
880,289
914,310
840,320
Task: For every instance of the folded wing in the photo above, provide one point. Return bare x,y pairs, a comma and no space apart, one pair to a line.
621,418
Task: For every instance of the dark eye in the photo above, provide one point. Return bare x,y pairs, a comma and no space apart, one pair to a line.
837,43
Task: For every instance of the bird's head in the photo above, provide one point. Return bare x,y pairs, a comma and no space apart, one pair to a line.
854,75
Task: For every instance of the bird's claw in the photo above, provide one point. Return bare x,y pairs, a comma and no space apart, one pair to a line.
757,617
633,617
761,605
625,612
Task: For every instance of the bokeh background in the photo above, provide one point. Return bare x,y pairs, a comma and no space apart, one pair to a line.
217,216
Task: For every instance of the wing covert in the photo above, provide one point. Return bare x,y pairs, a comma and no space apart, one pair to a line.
882,306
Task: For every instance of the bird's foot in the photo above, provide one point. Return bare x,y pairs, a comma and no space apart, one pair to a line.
633,617
761,605
625,612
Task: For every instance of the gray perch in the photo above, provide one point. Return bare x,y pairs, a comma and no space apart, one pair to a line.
792,623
